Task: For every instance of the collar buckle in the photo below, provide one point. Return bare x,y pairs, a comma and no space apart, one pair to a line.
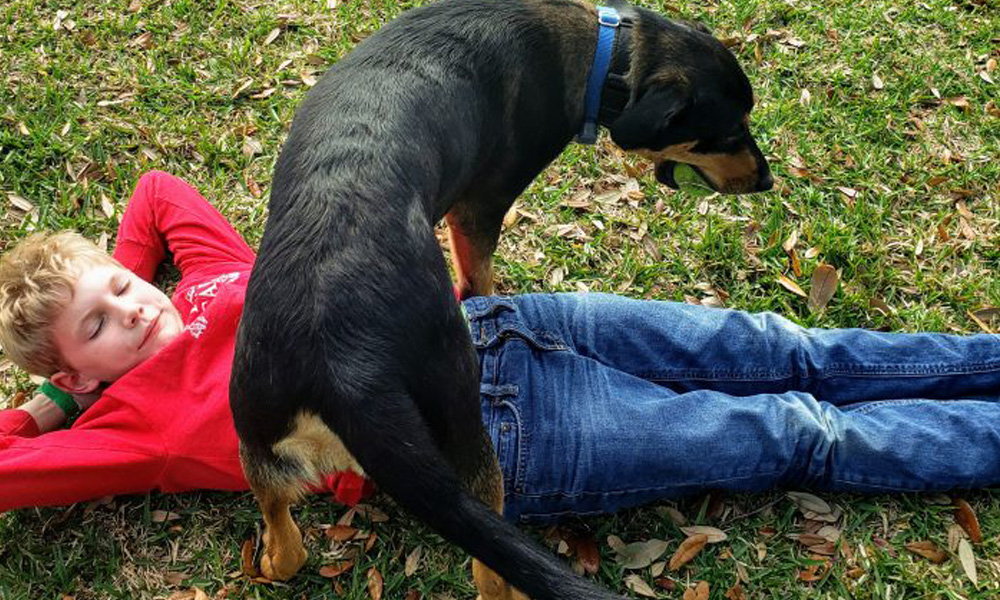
608,17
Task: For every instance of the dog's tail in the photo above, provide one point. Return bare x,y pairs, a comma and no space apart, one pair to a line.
422,481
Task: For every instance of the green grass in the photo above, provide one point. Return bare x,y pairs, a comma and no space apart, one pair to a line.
89,106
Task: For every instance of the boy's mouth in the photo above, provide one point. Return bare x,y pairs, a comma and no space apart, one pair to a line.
154,325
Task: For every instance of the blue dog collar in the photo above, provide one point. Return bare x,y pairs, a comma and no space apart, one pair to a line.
608,21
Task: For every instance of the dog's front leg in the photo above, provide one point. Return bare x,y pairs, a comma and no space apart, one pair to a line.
472,254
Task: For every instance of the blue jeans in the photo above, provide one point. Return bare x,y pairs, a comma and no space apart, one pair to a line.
597,402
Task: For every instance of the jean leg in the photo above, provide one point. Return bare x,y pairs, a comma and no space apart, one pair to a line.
687,347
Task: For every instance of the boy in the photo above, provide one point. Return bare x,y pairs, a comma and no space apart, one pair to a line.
594,402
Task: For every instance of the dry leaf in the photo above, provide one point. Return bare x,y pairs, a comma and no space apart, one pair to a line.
586,550
676,517
335,569
640,555
824,285
20,203
698,592
375,584
340,533
373,514
161,516
688,549
413,561
246,556
804,97
736,593
639,586
877,82
791,286
928,550
793,239
615,542
968,559
809,502
966,517
715,535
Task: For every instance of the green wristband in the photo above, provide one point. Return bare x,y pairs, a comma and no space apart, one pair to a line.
63,400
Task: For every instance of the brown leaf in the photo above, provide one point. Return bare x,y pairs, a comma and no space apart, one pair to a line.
413,561
811,573
375,584
688,549
246,556
698,592
792,240
340,533
791,286
162,516
824,285
335,569
586,550
714,534
736,593
966,517
639,555
928,550
639,586
370,542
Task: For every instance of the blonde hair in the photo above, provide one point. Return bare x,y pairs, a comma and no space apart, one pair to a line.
36,282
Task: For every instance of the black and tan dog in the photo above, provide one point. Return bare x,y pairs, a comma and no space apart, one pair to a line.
352,352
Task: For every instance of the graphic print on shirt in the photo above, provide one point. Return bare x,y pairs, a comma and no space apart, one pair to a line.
199,297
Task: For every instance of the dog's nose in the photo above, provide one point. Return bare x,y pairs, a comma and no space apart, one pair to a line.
765,182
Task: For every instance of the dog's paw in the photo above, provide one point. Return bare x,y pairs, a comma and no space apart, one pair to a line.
280,566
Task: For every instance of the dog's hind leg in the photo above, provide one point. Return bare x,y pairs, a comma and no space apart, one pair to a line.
284,553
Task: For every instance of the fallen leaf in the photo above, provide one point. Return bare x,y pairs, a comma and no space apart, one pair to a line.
335,569
928,550
657,568
375,584
736,593
676,517
968,559
877,82
639,586
639,555
791,286
615,542
586,550
370,542
824,285
698,592
714,534
688,549
373,514
246,556
966,517
273,35
162,516
413,561
20,203
809,502
792,240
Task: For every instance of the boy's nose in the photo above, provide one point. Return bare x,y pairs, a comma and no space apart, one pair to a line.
133,314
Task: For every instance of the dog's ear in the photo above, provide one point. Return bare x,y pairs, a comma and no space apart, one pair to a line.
645,120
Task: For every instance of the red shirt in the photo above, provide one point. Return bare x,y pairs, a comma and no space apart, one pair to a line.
166,423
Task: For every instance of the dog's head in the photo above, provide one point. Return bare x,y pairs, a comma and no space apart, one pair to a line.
690,104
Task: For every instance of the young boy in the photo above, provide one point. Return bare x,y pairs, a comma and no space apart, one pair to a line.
594,402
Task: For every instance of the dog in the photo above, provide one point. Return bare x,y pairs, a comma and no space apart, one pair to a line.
352,351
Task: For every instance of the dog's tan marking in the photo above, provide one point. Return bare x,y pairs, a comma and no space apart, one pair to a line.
317,449
284,553
473,264
726,172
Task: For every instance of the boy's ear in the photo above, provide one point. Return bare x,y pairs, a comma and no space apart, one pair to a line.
74,383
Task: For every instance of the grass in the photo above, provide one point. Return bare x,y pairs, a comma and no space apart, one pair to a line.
880,128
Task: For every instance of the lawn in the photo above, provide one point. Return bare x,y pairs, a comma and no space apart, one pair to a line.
881,121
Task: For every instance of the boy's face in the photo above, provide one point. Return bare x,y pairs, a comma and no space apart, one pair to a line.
114,321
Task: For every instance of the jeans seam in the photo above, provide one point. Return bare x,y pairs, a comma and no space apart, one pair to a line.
701,375
659,488
927,370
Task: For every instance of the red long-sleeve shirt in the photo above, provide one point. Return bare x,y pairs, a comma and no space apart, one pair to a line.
166,423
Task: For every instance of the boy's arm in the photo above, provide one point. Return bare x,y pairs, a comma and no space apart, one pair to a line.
165,214
63,467
45,413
